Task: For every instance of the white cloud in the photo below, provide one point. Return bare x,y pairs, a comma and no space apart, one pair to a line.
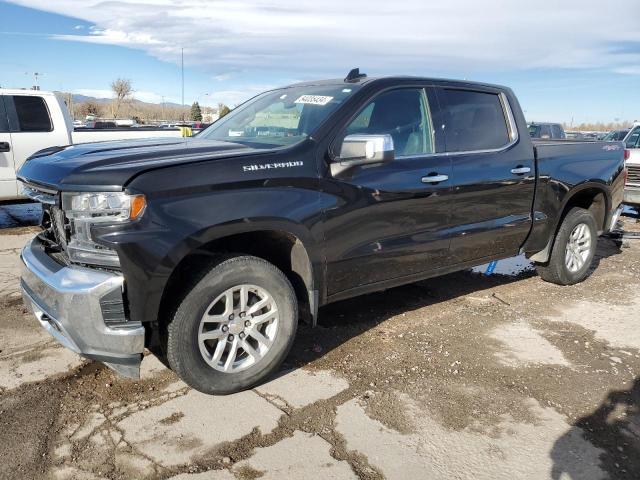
324,38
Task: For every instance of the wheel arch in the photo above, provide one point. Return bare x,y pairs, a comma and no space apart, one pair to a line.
287,245
593,196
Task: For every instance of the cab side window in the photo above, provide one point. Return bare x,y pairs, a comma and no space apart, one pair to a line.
403,114
32,114
474,121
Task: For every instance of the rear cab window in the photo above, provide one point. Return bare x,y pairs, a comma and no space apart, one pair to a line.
557,131
28,113
474,120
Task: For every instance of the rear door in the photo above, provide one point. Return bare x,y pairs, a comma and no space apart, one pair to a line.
493,174
387,222
8,187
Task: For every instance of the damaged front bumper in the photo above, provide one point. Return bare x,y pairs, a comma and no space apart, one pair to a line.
72,304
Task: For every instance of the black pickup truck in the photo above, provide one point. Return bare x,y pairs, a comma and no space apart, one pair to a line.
214,247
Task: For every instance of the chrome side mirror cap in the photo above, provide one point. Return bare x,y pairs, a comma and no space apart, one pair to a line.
361,149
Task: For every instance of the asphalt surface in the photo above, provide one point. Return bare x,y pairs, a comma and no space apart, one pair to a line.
466,376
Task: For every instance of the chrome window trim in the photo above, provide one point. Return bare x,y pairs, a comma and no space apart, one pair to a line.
512,131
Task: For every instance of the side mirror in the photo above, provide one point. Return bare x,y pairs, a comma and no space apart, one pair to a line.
361,149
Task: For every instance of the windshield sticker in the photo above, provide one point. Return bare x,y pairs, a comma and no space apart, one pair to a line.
269,166
314,99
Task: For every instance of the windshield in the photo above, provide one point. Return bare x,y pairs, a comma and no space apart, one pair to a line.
534,131
280,117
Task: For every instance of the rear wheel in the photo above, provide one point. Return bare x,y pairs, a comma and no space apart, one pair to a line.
234,328
573,249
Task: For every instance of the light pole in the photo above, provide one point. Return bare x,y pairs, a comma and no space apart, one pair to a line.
182,69
35,79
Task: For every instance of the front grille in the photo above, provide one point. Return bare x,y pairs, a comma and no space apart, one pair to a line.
59,226
634,175
55,226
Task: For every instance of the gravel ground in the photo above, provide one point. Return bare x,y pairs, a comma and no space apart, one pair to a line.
463,376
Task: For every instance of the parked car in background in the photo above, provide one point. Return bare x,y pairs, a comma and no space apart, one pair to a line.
32,120
545,130
616,135
592,136
632,144
210,247
572,135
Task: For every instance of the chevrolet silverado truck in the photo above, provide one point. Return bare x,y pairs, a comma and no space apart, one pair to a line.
214,248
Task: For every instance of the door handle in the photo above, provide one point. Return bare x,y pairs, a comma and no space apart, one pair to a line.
5,147
520,170
434,178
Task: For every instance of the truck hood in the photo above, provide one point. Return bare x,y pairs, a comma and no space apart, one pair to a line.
110,165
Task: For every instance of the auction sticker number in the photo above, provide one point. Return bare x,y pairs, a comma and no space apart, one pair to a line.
314,99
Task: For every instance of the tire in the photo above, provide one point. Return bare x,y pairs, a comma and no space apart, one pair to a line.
571,254
204,332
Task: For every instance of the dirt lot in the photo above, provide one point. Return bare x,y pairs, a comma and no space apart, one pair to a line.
465,376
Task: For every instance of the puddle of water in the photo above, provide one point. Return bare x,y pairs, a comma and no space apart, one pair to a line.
513,266
629,211
20,215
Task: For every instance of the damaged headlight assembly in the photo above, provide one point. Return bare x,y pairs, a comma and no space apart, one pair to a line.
91,208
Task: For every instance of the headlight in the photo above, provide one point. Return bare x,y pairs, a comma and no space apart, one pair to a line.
86,209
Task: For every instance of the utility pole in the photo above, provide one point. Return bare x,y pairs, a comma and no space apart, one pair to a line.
182,67
36,86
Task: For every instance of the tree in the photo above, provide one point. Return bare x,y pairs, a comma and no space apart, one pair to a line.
122,92
90,108
223,110
196,113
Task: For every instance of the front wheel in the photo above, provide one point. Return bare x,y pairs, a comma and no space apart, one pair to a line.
234,328
573,249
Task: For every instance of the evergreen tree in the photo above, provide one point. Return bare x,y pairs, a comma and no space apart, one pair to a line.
196,113
223,110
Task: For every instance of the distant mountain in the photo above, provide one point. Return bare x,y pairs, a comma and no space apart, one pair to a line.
77,98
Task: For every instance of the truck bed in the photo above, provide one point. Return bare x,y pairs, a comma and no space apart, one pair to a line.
588,158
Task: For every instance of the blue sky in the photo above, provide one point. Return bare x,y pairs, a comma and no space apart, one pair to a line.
577,60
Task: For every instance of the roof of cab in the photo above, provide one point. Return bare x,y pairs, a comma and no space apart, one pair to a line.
24,91
398,78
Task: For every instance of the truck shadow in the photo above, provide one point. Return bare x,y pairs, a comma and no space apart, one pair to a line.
341,321
614,428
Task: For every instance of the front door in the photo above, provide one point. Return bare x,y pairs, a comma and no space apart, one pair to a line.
493,174
8,187
387,221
